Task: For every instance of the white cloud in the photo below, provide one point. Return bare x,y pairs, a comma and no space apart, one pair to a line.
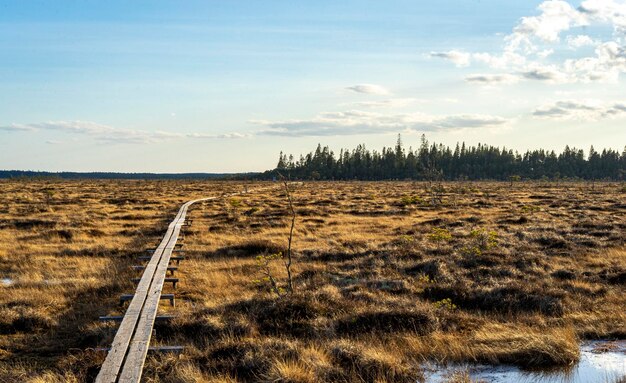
548,73
528,49
503,61
388,103
556,17
492,79
606,11
368,89
607,65
16,128
108,134
355,122
460,59
579,41
221,136
585,110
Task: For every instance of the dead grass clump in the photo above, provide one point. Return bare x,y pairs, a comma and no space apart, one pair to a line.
392,321
294,314
83,364
564,275
551,241
521,220
515,299
614,276
92,251
250,248
526,347
27,223
245,359
434,269
460,377
289,371
441,222
311,277
65,234
198,327
373,365
24,319
123,201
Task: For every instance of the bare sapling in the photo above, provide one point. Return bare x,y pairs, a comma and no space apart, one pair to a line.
288,261
265,261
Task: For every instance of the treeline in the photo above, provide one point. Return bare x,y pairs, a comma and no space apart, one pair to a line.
120,176
438,162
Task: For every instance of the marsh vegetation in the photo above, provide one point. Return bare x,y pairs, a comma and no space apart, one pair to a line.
385,278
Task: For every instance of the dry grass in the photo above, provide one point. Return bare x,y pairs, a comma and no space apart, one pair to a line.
383,280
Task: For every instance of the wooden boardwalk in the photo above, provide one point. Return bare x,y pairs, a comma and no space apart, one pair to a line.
126,357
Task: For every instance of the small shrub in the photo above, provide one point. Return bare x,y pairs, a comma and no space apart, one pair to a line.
411,200
268,281
529,208
471,251
440,235
445,304
484,239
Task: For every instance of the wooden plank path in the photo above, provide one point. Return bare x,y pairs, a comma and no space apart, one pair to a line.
127,355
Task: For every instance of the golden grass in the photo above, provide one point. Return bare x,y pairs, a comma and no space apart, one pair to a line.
381,286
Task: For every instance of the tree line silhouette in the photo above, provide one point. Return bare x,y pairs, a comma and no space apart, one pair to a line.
439,162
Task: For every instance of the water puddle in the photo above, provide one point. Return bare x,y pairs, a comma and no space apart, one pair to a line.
602,362
6,282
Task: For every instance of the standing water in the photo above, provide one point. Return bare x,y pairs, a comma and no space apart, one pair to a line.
600,362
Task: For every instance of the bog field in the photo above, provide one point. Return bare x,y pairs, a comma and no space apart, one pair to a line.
387,277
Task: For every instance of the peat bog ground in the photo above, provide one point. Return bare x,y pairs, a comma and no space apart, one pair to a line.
387,276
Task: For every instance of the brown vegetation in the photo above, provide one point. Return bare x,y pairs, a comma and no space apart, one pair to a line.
383,280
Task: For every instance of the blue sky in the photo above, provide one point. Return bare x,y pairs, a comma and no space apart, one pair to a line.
223,86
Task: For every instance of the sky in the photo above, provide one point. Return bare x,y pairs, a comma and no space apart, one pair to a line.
224,86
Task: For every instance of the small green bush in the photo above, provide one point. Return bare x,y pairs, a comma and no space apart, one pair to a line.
484,239
445,304
411,200
440,235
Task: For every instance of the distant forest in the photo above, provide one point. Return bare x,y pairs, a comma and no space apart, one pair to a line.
29,174
438,162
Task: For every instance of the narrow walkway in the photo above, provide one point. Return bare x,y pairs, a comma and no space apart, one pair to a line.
126,358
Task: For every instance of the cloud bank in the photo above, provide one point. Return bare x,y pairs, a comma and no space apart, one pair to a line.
460,59
107,134
492,79
528,49
356,122
368,89
581,110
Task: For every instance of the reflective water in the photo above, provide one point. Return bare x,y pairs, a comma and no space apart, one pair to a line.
601,362
6,281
